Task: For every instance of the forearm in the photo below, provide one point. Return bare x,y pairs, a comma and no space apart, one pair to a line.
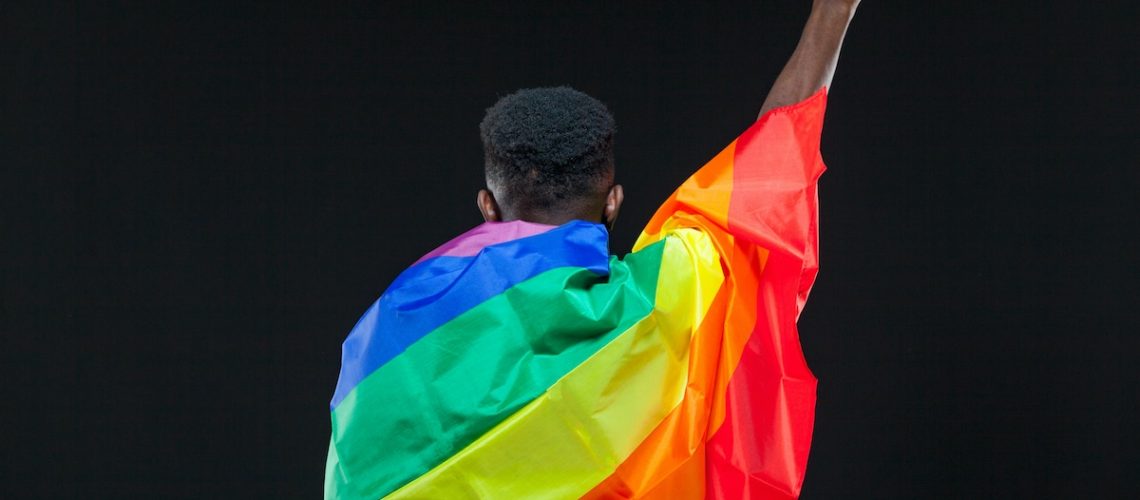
812,65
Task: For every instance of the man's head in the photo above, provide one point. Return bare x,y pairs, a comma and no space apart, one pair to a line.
548,154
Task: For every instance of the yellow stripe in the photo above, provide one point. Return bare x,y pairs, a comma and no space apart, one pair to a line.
575,435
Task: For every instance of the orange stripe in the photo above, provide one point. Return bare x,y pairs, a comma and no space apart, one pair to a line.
780,152
761,449
708,192
670,461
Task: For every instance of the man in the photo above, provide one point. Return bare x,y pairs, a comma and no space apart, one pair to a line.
521,360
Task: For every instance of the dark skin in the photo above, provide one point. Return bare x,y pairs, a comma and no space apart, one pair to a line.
602,209
811,66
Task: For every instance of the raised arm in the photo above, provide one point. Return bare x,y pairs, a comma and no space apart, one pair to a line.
813,63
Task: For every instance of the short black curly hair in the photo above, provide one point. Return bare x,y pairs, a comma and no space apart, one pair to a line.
545,147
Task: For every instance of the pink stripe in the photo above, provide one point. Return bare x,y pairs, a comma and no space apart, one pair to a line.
486,234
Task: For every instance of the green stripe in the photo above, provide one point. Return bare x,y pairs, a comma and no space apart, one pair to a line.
466,376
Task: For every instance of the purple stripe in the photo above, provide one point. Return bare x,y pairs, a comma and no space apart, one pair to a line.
486,234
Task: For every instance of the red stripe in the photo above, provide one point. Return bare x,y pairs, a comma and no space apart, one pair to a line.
761,449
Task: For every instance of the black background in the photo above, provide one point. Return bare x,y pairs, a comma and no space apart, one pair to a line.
199,203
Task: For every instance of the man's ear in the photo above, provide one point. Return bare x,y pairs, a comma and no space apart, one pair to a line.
488,206
613,205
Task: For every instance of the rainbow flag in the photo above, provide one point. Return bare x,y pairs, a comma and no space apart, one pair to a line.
522,360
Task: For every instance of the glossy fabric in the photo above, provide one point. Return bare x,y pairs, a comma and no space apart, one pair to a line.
674,372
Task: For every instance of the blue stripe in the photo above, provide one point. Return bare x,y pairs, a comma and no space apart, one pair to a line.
435,291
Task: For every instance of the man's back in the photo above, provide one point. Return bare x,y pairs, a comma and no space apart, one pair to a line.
521,358
535,329
522,361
